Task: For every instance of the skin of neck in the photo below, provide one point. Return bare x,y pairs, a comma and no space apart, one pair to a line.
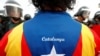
80,19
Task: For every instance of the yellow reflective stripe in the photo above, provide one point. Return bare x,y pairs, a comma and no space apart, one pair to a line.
13,47
88,44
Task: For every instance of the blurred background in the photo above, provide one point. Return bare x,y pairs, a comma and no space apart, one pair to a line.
28,8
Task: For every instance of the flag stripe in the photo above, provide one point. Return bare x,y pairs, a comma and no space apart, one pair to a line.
13,47
78,50
3,44
88,44
97,42
25,49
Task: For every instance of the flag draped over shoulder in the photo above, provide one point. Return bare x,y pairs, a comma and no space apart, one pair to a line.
17,46
10,43
39,40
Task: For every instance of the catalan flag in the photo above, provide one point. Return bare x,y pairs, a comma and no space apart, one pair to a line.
50,34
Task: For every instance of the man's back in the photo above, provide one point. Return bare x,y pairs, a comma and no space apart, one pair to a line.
52,29
50,34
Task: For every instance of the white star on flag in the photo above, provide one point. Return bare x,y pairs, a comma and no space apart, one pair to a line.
53,53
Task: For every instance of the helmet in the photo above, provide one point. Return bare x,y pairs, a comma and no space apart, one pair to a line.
97,14
83,12
27,17
13,9
97,17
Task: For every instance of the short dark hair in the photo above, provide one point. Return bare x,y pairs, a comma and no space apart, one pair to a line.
53,4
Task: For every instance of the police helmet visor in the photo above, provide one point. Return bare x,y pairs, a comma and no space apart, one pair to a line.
13,11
